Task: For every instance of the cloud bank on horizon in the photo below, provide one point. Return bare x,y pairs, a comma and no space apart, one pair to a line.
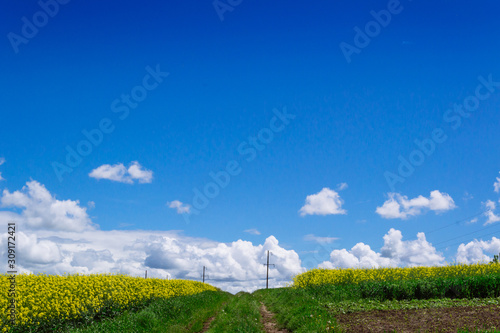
58,236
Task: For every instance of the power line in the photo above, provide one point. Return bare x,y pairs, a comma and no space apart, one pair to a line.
467,234
454,223
488,234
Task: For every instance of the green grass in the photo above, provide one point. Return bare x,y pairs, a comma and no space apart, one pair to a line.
487,286
241,314
177,314
343,307
297,310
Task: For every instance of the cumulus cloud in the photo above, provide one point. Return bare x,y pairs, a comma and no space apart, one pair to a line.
136,171
490,212
180,207
496,185
232,266
253,231
41,210
119,173
58,237
320,240
474,251
395,252
326,202
399,207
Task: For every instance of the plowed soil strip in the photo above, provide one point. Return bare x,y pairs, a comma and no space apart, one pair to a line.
431,320
268,320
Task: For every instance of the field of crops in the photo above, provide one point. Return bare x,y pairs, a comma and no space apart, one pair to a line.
356,275
52,301
450,298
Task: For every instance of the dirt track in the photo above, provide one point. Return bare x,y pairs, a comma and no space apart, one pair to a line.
268,320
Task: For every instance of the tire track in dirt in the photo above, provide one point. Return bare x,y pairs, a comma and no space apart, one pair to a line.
206,325
270,325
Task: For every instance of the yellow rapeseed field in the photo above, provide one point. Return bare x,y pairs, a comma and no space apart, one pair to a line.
356,275
42,298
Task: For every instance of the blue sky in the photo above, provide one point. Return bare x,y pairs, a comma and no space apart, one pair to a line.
353,117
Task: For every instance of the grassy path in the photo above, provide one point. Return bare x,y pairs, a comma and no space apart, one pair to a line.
211,312
270,325
244,313
179,314
240,314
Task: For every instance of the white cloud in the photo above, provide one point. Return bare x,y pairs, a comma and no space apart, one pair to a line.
2,161
180,207
58,237
231,266
398,206
253,231
395,252
474,220
490,212
342,186
473,252
41,210
496,185
119,173
136,171
320,240
326,202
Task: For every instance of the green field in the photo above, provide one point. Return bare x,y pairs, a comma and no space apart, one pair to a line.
445,304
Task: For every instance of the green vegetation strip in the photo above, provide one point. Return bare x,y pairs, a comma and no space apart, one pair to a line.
313,309
487,286
344,307
297,310
240,314
177,314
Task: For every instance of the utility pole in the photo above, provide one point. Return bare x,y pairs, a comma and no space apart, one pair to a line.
146,276
205,269
267,276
